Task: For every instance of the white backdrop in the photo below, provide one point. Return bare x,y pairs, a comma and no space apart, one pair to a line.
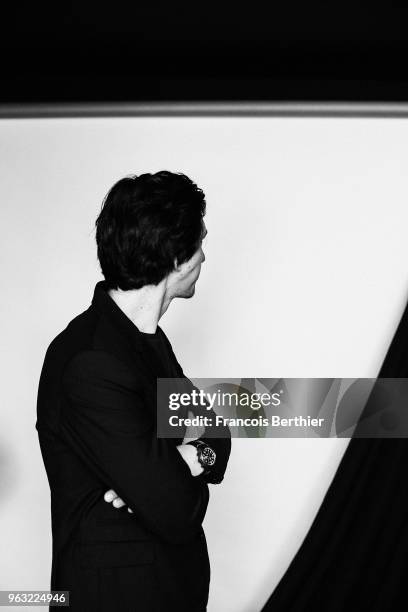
305,275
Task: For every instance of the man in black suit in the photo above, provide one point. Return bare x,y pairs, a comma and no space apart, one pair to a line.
97,417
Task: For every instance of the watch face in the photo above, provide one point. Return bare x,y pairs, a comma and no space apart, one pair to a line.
208,456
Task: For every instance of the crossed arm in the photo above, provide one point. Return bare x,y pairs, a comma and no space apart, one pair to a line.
189,455
105,419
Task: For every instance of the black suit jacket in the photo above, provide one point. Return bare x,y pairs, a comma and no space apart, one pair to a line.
96,421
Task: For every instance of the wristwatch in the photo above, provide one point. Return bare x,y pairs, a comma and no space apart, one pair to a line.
206,455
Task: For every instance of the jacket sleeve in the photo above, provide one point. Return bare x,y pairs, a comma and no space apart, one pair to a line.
218,437
107,422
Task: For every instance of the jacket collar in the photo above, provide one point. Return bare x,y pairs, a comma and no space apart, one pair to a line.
123,332
104,304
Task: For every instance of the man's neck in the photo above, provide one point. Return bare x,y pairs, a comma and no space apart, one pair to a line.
144,307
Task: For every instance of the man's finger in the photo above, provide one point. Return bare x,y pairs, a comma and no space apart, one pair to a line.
118,502
130,510
110,496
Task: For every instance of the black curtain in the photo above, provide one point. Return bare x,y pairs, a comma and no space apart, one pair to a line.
355,554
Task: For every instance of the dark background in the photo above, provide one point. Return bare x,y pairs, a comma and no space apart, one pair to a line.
182,51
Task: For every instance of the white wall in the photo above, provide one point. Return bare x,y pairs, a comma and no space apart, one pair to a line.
305,275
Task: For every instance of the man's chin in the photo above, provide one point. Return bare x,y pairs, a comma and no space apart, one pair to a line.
188,293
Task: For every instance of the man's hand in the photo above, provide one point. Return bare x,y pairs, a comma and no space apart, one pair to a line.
114,499
190,456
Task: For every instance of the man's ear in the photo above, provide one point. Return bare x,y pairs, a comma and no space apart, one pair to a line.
176,265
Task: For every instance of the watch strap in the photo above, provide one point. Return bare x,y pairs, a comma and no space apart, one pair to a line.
201,446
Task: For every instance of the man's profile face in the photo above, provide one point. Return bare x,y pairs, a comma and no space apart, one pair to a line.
181,282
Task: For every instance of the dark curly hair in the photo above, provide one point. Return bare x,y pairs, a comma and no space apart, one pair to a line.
146,222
